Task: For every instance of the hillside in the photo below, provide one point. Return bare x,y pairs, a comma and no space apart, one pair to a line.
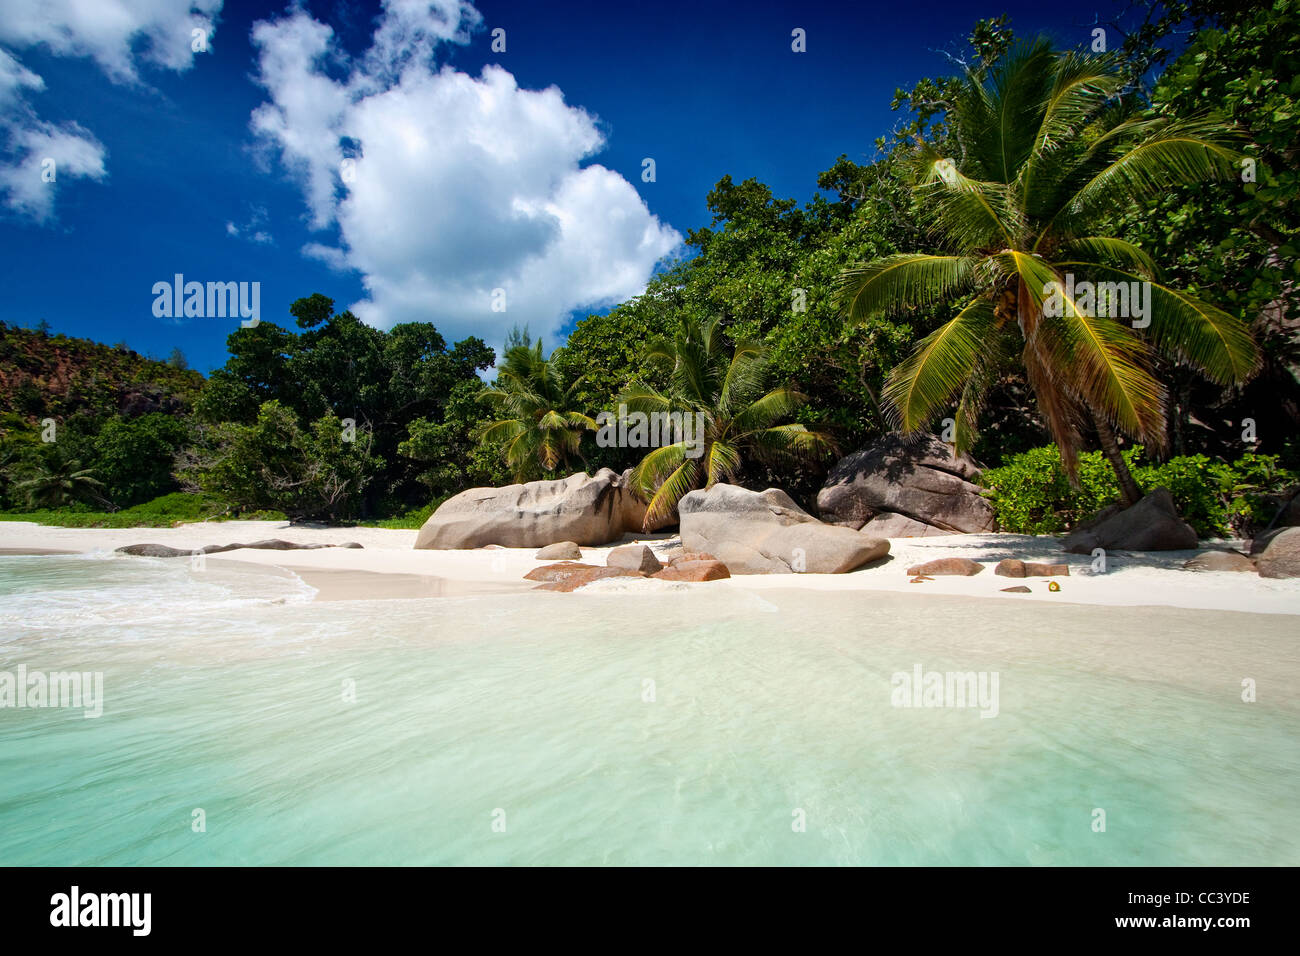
56,376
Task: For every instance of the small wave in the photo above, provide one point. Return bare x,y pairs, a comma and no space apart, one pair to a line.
69,593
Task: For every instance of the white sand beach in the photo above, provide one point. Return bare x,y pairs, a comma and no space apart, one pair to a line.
387,566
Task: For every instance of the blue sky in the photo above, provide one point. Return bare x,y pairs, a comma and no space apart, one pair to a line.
464,181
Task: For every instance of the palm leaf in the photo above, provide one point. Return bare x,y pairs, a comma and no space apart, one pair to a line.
1173,153
925,381
904,281
721,462
1110,249
775,405
1214,341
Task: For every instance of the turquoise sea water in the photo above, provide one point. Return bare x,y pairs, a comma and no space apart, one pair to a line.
225,691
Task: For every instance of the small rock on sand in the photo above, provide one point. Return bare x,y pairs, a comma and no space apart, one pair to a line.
560,551
575,580
1015,568
691,556
963,566
634,557
1219,561
693,571
555,572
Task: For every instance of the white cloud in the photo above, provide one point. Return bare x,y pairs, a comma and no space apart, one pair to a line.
14,78
115,34
254,229
44,155
109,30
455,185
330,255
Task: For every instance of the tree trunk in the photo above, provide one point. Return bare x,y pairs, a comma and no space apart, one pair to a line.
1128,487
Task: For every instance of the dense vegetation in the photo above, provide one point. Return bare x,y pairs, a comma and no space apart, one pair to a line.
330,418
1032,494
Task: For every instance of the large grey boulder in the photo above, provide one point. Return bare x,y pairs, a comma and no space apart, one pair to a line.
1150,525
905,487
754,532
585,509
1281,559
891,525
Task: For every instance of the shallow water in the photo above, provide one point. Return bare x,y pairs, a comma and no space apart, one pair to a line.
227,691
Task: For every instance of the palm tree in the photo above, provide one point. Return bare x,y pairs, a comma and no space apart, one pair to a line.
1042,147
739,418
538,430
58,481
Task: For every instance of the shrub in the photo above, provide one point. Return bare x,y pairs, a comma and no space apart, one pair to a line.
161,512
412,519
134,456
1031,495
276,464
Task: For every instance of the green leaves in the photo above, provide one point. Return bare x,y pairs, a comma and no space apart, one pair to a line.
925,382
723,386
540,429
905,281
1218,344
1047,155
1153,156
1117,252
274,464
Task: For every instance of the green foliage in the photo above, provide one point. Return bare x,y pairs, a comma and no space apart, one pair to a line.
1237,241
274,464
54,478
723,389
337,365
134,456
449,452
1032,495
162,512
411,520
1040,148
606,352
540,425
54,376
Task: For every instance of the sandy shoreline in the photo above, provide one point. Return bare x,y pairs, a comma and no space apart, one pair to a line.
388,567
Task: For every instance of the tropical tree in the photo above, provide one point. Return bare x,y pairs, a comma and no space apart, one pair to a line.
58,480
738,418
539,429
1041,147
318,471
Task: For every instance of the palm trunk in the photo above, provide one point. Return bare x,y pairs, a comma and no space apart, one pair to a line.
1128,487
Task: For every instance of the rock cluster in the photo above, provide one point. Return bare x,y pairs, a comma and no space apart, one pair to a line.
900,487
765,532
631,561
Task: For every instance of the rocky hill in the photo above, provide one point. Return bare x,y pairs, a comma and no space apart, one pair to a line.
55,376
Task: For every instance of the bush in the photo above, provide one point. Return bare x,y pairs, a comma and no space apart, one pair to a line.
134,456
1031,495
161,512
276,464
411,520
